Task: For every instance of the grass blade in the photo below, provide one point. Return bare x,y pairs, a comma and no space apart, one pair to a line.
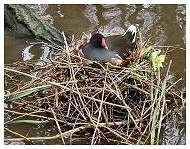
28,122
18,95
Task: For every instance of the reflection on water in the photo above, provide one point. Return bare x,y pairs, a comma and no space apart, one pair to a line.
163,24
26,55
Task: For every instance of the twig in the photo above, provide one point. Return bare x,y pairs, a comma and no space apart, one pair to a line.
58,126
17,134
100,109
65,134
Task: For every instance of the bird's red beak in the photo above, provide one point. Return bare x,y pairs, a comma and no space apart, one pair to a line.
104,45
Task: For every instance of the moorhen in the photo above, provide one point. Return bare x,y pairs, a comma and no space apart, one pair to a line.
112,48
97,49
123,44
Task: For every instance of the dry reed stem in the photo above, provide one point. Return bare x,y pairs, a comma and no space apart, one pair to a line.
100,109
58,126
64,134
162,97
17,134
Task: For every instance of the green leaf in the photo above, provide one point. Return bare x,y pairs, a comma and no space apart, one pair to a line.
19,95
28,122
154,55
159,60
146,52
156,59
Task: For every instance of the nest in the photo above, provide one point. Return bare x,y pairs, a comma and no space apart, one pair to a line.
102,103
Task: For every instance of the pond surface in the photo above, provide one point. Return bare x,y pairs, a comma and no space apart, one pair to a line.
165,25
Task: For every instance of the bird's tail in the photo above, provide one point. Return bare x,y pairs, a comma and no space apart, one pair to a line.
131,33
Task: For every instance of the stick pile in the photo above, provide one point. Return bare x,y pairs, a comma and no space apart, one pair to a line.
101,103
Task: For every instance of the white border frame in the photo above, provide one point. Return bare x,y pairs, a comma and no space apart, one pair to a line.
187,2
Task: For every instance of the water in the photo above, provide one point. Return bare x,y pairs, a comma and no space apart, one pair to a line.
165,25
